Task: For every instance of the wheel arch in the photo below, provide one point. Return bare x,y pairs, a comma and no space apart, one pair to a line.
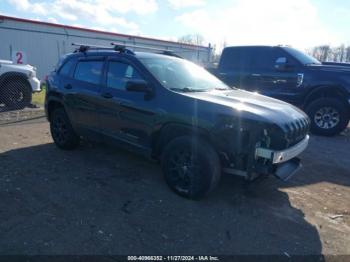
52,104
325,91
170,131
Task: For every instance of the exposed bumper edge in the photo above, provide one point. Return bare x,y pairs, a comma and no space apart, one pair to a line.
284,155
288,169
35,84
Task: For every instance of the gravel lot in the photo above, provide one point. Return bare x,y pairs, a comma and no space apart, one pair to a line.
102,200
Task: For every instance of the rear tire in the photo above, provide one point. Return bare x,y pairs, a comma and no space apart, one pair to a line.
16,94
329,116
61,130
191,167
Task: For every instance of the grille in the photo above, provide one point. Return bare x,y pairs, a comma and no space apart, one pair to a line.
296,130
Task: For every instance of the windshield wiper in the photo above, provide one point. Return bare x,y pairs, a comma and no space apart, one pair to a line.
223,88
187,89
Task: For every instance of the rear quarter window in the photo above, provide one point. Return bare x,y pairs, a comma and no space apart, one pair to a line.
65,69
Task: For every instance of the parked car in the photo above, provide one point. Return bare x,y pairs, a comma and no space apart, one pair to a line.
176,113
17,83
322,90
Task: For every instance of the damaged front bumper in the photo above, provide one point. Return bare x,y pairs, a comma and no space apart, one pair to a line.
280,163
277,157
286,162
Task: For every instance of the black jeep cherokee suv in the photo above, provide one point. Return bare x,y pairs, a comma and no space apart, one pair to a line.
176,113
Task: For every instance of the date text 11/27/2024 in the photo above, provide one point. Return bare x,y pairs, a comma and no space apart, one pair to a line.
173,258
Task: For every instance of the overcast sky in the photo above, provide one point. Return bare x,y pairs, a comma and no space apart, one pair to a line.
300,23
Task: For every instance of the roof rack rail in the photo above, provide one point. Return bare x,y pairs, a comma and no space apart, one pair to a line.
83,48
122,48
161,50
139,46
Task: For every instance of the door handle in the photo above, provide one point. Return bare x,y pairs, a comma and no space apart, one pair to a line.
280,81
256,75
107,95
68,86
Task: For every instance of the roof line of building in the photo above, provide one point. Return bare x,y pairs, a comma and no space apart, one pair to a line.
3,17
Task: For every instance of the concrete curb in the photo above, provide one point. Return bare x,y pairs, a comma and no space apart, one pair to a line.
21,115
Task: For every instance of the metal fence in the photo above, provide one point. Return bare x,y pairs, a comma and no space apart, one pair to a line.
17,102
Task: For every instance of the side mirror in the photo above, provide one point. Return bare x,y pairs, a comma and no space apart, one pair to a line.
137,86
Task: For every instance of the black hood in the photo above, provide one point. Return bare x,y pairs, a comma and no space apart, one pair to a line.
336,68
252,105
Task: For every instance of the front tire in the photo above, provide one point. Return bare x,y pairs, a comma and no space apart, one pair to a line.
329,116
191,167
61,130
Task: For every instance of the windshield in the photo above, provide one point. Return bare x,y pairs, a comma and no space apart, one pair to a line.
301,57
181,75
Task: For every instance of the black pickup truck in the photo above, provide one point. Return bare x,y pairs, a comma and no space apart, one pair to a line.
322,90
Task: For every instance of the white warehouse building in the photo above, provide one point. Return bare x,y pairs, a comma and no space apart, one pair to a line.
42,43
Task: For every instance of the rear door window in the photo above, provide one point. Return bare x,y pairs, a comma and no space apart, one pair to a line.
237,58
89,71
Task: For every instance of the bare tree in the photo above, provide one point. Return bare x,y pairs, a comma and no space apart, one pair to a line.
218,51
325,51
194,39
341,50
334,54
347,55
